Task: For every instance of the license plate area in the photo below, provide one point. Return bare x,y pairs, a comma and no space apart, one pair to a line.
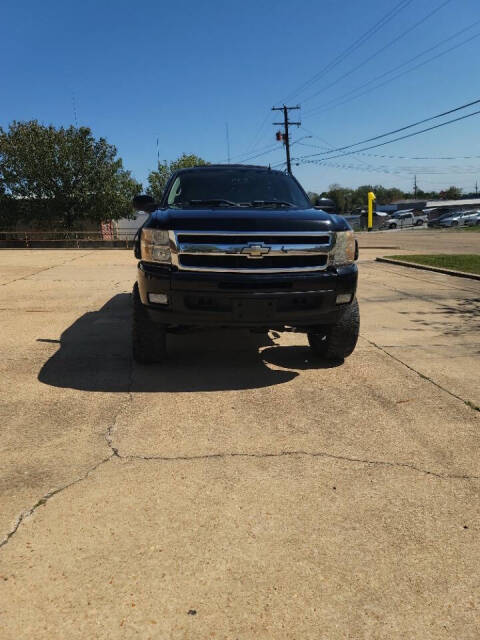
251,310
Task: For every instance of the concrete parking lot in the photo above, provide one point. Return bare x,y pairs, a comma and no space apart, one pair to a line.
244,490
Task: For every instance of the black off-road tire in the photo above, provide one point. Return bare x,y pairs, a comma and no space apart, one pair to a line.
392,226
337,341
419,223
149,339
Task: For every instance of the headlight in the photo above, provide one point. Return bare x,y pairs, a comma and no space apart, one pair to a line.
343,251
154,245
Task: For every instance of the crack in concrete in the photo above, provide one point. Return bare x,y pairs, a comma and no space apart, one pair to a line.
129,399
114,454
30,275
300,452
109,437
469,404
45,498
223,456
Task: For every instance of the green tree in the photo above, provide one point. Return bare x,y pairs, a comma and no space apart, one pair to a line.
62,176
452,193
159,178
337,194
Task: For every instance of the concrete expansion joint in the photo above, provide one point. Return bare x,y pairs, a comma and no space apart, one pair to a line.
46,269
469,404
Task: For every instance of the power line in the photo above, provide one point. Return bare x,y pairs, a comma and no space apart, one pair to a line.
271,151
336,102
326,142
267,150
355,45
388,16
257,135
395,157
376,53
400,171
389,133
268,147
409,135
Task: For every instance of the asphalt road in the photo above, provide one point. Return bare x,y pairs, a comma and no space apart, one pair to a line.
244,490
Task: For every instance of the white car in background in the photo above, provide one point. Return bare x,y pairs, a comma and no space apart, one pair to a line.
405,218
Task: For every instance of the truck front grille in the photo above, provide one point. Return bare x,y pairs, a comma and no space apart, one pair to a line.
250,252
235,262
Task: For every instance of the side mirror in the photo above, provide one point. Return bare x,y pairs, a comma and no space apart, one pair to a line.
137,252
144,203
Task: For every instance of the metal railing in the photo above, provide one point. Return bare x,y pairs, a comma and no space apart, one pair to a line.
76,239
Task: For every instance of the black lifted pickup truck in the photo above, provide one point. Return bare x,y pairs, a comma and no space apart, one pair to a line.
241,246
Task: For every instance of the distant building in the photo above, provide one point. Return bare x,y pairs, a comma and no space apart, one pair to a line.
125,228
428,204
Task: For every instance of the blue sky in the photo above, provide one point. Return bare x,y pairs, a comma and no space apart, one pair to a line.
179,71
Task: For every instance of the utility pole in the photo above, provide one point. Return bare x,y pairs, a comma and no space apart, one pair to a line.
476,187
285,137
227,134
415,186
74,105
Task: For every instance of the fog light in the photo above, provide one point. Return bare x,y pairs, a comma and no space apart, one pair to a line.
344,298
158,298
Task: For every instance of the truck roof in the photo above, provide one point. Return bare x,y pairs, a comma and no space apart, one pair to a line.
204,167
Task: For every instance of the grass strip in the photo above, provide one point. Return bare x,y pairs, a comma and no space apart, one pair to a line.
466,262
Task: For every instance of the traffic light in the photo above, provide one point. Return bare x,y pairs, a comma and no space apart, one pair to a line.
279,136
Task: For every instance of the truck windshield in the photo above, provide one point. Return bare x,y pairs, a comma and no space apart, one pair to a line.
233,187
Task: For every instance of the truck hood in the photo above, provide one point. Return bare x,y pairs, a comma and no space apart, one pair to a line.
255,219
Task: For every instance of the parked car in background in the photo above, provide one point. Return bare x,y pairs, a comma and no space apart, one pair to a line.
358,219
435,213
405,218
458,219
326,204
473,220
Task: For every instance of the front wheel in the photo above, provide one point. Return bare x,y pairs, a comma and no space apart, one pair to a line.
149,339
337,341
392,226
419,223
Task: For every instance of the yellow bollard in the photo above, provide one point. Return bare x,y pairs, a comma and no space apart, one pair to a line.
371,199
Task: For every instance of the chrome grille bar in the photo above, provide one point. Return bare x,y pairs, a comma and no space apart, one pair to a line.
250,248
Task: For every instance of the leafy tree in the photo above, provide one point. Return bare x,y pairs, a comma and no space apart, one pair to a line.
158,179
62,176
339,195
452,193
313,197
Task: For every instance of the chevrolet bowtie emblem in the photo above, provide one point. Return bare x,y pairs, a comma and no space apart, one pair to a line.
254,250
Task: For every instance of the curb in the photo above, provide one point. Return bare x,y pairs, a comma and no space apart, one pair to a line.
414,265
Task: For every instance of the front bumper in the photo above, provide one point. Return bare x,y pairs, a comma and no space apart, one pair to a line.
239,300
